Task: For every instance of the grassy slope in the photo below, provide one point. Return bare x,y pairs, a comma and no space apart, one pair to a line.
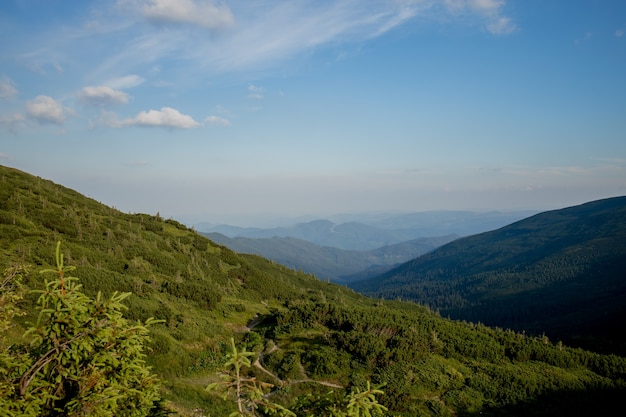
204,292
308,329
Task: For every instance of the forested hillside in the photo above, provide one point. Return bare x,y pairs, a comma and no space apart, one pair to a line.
560,272
306,337
328,263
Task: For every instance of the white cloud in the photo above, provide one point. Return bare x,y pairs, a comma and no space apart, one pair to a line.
217,120
486,4
619,33
489,10
12,122
476,5
501,26
45,109
7,89
202,13
102,95
5,156
255,92
166,117
122,83
266,33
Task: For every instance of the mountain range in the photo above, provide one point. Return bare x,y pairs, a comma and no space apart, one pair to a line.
372,231
354,247
561,272
306,336
325,262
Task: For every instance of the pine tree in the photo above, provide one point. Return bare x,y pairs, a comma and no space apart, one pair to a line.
247,391
82,357
250,395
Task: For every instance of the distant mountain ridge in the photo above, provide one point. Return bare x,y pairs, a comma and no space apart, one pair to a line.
561,271
367,232
325,262
308,334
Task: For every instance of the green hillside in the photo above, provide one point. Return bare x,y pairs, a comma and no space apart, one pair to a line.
309,336
560,272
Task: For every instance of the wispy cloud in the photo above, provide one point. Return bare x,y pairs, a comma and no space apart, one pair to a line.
488,11
274,31
7,88
166,117
217,120
255,92
102,96
619,33
41,61
204,14
125,82
501,26
5,156
12,122
243,36
264,33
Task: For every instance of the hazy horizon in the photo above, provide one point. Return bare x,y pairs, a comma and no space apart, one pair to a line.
269,220
232,111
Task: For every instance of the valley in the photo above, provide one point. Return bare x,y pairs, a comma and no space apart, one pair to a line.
329,263
310,336
359,246
558,273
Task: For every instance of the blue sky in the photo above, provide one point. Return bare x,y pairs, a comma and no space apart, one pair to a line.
223,111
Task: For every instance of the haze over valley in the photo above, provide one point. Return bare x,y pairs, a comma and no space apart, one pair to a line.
236,112
309,335
352,250
312,208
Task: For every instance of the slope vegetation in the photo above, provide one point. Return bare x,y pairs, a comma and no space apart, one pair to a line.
308,336
560,272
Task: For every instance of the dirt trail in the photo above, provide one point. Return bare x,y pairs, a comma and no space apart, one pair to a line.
259,365
256,320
